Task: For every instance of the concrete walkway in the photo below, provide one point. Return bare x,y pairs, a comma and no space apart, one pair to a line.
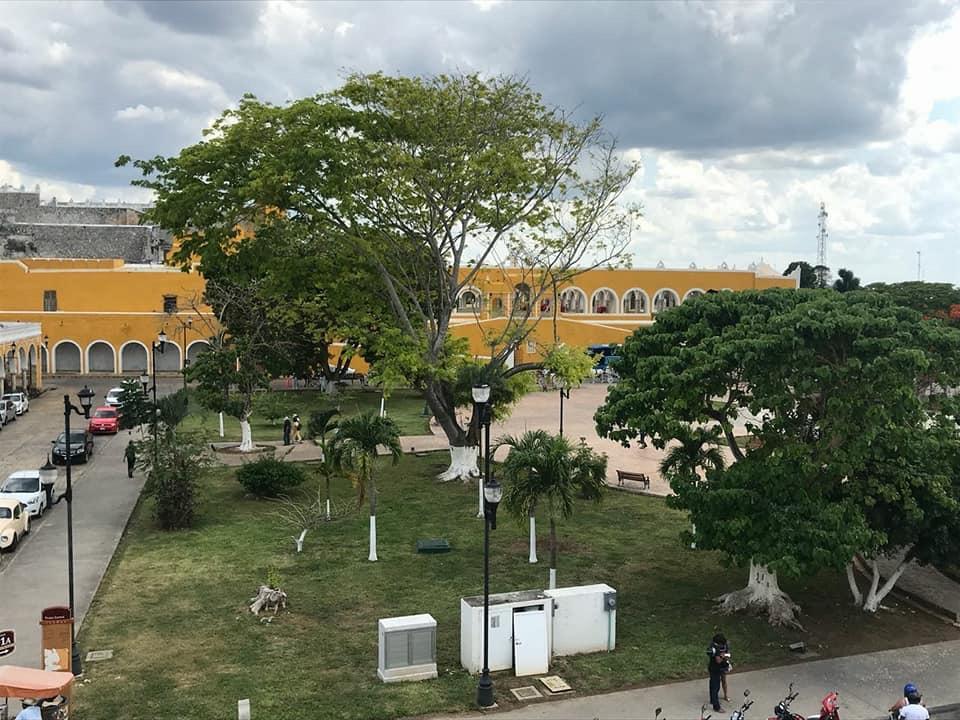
867,684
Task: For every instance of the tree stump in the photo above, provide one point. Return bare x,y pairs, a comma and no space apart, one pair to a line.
268,598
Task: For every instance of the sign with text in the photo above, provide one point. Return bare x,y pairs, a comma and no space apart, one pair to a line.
7,642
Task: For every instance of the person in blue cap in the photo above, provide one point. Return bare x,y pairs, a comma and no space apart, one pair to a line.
910,706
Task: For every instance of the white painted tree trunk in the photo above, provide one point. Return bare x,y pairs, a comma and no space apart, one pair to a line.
246,435
533,540
553,578
762,595
329,388
479,497
221,425
373,539
854,588
463,464
328,509
877,592
299,540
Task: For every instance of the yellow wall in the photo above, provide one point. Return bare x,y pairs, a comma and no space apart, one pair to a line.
106,301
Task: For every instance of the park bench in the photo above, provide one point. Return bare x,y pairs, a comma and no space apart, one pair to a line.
635,477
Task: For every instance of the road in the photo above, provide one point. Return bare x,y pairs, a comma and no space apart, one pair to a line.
35,575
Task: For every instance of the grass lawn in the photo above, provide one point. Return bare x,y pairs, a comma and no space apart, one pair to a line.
404,406
172,605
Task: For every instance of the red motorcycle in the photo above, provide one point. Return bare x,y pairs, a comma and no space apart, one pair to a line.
829,708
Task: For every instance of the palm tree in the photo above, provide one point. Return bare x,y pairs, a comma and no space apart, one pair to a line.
354,449
322,423
545,470
697,453
847,281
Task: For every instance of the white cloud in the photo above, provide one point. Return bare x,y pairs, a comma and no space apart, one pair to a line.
342,28
283,22
147,114
150,73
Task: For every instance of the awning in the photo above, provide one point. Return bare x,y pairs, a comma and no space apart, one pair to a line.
21,682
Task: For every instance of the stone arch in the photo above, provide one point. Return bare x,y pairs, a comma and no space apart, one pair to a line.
196,349
133,357
664,299
22,360
101,357
522,295
44,359
604,300
635,301
573,300
469,300
67,357
693,292
169,359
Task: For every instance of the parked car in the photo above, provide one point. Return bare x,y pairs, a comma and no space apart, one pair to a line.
81,447
7,412
105,420
21,403
14,523
24,486
112,398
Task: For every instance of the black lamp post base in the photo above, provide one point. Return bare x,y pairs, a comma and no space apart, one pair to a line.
485,691
75,664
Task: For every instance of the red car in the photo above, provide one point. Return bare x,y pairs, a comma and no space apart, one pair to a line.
105,420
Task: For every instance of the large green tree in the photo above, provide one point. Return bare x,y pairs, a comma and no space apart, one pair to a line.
847,281
429,180
934,300
851,449
808,276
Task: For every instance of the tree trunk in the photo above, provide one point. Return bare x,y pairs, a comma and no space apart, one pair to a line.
246,435
553,553
533,539
463,464
876,594
854,588
373,521
762,595
267,598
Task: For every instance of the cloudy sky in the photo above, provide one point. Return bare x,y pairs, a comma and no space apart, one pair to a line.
746,116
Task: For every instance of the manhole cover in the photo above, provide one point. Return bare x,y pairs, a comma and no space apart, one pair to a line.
95,655
555,684
528,692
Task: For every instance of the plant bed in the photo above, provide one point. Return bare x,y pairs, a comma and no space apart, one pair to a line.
173,605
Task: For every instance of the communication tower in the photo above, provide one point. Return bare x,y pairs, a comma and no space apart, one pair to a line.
821,267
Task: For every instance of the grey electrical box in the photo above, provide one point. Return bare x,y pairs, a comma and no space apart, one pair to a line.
610,600
408,648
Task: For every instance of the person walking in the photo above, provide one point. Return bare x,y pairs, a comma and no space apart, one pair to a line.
130,456
297,437
718,664
287,426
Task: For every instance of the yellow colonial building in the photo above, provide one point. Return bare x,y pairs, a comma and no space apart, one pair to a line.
595,307
100,317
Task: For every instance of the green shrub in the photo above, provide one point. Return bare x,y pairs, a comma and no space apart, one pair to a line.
269,477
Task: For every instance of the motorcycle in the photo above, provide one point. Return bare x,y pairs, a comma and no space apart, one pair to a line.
829,708
741,712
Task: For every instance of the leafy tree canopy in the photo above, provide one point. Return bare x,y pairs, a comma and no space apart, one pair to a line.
929,299
808,276
854,448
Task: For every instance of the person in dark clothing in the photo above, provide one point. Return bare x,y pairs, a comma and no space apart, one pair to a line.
287,427
718,663
130,455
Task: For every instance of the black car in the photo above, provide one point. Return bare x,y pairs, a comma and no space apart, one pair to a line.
81,447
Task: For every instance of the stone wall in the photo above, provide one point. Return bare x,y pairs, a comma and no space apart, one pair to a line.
76,230
131,243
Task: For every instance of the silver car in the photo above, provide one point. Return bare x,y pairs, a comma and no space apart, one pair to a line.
7,412
21,403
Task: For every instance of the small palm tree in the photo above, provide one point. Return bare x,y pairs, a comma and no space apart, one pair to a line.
354,449
322,424
847,281
546,471
697,453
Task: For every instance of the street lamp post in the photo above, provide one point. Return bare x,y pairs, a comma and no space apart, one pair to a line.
564,395
492,492
158,344
86,400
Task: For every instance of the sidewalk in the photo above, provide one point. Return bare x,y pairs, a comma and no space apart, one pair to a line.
867,684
